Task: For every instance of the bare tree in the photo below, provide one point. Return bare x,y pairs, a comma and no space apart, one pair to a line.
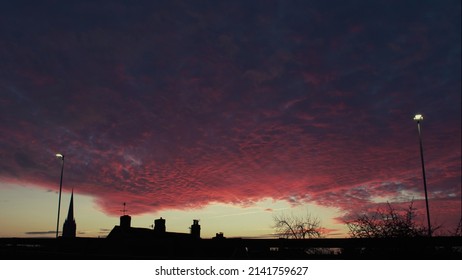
387,222
297,227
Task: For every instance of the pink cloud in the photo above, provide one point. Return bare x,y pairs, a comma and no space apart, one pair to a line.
184,110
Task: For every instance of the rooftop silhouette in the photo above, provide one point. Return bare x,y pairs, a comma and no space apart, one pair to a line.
125,231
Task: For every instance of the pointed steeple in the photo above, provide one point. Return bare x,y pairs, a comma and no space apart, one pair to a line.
69,226
70,213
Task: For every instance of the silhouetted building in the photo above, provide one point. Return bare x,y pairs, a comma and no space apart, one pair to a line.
69,227
125,231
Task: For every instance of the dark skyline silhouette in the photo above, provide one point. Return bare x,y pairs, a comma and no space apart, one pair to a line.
127,242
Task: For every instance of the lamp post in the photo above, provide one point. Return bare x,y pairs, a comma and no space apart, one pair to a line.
60,156
418,118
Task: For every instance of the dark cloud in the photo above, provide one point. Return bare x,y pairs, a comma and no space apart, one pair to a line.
174,104
41,232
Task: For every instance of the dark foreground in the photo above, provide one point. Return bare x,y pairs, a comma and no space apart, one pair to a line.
233,248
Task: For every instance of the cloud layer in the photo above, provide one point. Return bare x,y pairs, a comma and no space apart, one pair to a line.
175,104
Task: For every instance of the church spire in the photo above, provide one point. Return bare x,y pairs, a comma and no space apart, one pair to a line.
70,213
69,226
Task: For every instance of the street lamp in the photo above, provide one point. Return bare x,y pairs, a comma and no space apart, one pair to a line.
418,118
60,156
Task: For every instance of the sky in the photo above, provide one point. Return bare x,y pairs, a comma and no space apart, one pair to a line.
229,112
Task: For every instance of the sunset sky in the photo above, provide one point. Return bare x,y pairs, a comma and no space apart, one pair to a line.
228,112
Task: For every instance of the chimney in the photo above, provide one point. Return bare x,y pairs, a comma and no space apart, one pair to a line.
196,229
159,225
125,221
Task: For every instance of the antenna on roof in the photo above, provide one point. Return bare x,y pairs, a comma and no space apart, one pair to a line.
124,211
